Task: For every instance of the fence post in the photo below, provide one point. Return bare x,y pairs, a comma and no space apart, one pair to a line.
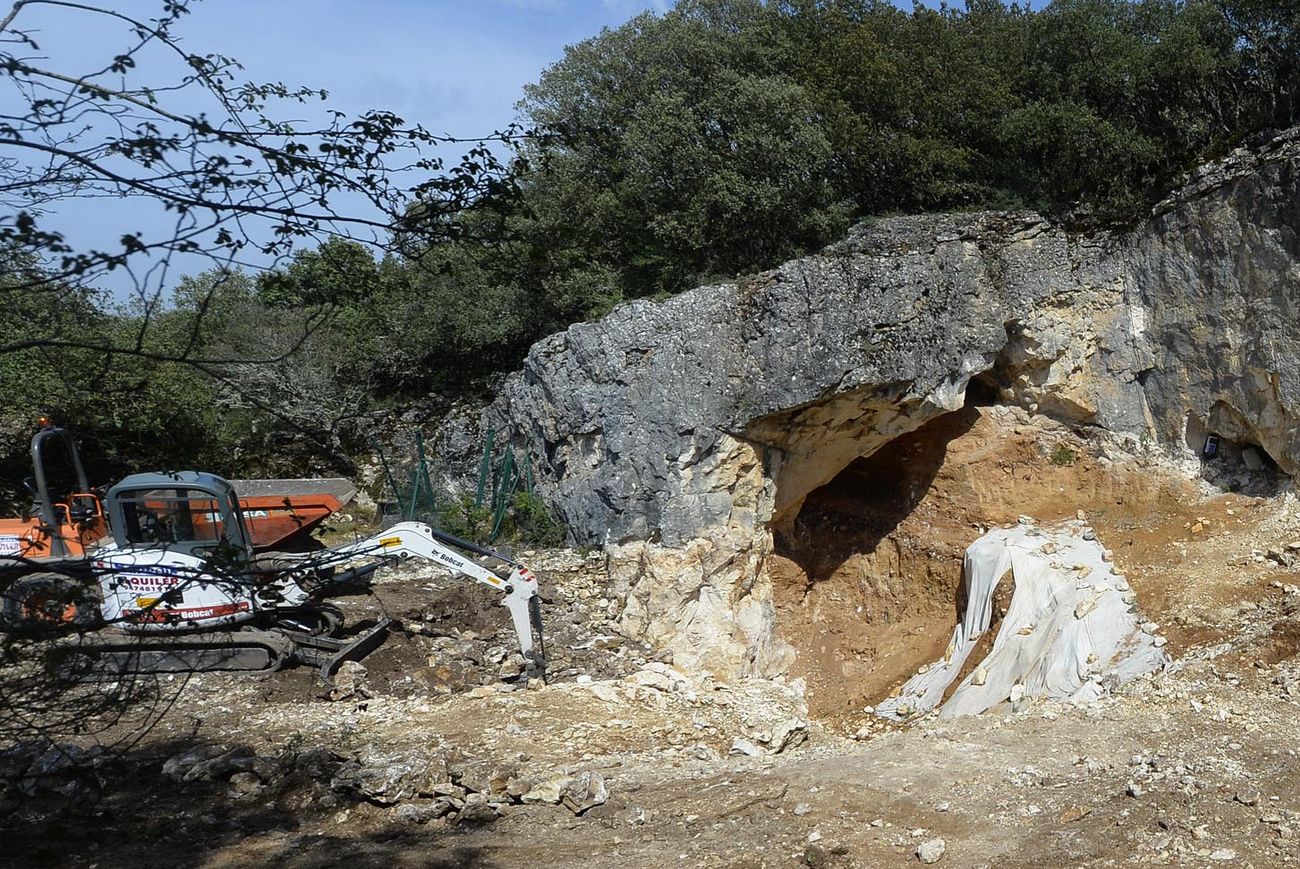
388,475
484,469
509,481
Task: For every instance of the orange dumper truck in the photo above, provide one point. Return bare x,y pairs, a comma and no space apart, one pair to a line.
68,519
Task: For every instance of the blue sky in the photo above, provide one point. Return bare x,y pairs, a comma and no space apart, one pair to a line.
456,67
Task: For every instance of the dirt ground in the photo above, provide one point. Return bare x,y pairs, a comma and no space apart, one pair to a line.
1195,766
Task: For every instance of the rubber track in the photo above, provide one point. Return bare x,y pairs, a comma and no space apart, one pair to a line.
113,656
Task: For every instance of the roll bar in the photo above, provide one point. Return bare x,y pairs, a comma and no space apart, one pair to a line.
45,503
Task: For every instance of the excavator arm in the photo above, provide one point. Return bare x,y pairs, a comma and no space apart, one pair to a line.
415,539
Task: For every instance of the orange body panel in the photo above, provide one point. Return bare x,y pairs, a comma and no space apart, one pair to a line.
27,538
271,519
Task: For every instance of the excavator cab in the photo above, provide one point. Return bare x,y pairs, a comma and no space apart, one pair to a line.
180,556
189,512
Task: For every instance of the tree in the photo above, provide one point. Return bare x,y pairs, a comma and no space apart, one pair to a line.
678,147
234,181
1269,37
339,273
198,170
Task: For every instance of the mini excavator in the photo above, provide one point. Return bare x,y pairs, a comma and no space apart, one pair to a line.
179,587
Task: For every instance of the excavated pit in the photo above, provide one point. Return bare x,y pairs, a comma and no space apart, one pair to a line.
867,577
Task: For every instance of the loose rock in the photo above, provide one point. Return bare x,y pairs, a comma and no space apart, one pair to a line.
931,851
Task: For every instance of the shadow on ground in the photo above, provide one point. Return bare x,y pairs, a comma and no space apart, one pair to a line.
66,806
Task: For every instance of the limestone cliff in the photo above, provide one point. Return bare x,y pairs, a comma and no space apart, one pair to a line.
679,433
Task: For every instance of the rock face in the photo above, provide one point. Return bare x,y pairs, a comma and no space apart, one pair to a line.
644,422
679,433
1217,274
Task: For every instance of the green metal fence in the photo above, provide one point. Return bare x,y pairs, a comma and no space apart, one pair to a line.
417,494
414,496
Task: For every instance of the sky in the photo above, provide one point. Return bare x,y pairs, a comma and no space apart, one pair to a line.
456,67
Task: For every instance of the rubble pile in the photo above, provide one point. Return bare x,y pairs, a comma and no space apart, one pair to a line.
459,639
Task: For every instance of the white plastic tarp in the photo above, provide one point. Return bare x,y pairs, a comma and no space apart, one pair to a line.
1070,632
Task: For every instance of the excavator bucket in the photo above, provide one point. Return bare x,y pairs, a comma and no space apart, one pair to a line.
329,653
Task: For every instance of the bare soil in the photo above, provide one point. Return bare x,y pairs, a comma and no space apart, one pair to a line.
1196,766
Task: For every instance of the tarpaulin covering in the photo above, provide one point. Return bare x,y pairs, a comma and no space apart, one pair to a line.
1072,630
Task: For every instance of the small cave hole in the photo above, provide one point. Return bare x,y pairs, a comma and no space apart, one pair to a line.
1234,465
983,390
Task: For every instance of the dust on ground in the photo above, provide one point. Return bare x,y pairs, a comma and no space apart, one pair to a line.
440,754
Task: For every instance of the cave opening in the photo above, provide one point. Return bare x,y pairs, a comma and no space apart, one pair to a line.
983,390
865,503
867,574
1230,458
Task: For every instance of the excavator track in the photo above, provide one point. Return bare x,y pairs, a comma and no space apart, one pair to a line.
114,655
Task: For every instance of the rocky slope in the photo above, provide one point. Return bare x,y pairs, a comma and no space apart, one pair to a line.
680,434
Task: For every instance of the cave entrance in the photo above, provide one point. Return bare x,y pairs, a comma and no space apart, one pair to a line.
865,503
866,569
1230,458
867,574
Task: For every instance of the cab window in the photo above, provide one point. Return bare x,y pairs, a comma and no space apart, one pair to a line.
164,516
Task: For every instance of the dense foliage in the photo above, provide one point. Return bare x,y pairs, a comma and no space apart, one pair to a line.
716,139
731,133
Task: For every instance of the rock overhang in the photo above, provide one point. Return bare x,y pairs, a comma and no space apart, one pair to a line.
1125,331
679,433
